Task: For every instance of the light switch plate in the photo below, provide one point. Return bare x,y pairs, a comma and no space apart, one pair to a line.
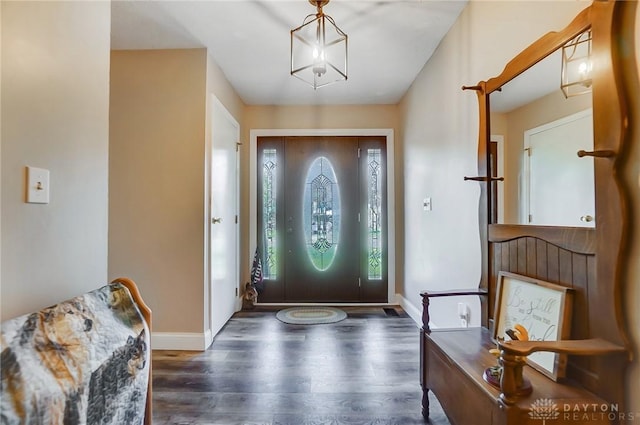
426,204
37,185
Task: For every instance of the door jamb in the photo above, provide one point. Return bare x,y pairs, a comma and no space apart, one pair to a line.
499,139
391,219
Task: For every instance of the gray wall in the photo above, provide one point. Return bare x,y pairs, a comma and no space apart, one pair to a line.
55,115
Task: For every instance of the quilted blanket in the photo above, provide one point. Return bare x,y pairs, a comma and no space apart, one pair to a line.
83,361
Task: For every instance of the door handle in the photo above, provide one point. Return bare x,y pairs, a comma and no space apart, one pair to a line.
216,220
586,218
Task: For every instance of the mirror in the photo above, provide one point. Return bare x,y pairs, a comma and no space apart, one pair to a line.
536,133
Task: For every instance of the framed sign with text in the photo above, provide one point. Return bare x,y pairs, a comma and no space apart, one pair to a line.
543,308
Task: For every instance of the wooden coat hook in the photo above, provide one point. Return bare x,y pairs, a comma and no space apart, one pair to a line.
484,179
597,154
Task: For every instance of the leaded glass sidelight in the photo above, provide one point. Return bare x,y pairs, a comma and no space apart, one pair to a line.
374,214
269,187
321,213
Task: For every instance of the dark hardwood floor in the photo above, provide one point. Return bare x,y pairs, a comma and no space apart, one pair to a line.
363,370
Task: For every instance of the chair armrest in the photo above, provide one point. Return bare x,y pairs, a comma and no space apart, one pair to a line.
582,347
426,295
454,293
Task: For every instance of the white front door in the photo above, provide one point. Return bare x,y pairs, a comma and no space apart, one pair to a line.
225,133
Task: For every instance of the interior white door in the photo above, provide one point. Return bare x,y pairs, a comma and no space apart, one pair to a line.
225,133
560,184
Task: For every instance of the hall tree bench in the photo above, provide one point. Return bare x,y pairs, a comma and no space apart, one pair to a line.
586,381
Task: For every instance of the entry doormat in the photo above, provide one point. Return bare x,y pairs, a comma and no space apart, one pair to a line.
311,315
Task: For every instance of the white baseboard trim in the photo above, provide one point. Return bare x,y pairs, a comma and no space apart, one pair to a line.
186,341
411,310
208,338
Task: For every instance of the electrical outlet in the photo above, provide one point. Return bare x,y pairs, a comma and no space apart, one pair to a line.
464,314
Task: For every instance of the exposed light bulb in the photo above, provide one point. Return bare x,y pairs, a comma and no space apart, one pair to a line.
319,69
584,71
319,65
583,68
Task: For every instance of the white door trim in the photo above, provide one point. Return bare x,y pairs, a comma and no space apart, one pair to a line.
499,139
391,218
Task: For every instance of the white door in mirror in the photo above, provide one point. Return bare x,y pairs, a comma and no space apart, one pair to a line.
37,185
559,184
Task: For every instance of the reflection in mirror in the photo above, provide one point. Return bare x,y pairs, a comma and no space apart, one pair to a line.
536,133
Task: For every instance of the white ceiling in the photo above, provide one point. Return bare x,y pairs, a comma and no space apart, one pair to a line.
389,42
536,82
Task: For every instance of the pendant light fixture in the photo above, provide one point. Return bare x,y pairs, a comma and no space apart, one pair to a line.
319,49
577,66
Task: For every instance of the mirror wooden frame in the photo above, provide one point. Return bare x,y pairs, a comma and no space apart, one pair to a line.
614,69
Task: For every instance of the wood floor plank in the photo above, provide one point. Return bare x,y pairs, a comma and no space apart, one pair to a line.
260,371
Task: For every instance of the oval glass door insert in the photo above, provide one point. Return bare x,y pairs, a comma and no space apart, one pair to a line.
321,213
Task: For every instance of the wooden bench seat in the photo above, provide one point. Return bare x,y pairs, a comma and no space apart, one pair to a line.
462,355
